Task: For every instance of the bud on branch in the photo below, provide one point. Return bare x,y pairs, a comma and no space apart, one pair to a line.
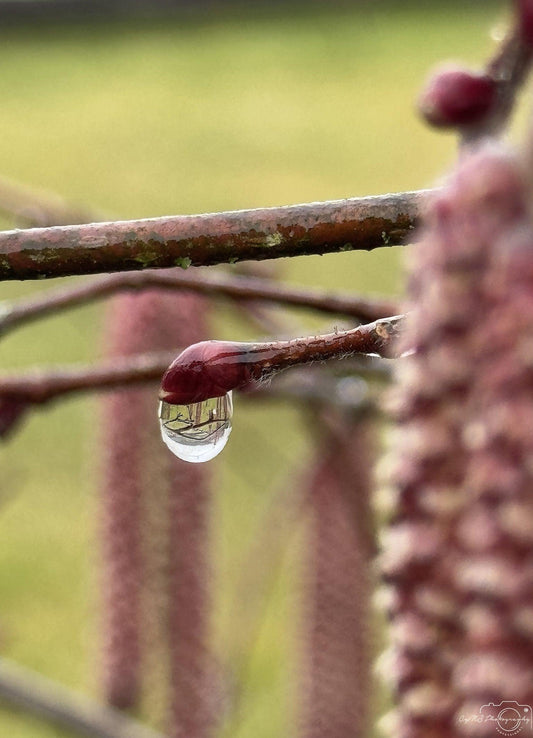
213,368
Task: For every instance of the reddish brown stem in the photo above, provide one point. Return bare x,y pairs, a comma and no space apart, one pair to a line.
238,288
19,392
35,208
213,368
33,694
509,68
268,233
40,386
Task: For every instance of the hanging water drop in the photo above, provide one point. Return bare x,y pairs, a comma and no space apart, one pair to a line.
199,431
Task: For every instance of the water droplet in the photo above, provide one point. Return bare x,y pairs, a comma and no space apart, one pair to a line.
197,432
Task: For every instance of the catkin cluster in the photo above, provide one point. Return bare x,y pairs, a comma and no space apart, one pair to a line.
457,554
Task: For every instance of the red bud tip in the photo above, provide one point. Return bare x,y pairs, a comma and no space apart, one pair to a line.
206,369
457,97
524,11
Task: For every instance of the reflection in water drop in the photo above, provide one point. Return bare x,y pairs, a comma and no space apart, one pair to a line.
197,432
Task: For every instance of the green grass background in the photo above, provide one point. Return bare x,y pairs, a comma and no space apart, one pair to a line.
197,115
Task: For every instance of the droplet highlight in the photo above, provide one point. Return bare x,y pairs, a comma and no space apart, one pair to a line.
197,432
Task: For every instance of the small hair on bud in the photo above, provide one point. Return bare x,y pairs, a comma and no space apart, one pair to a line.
457,97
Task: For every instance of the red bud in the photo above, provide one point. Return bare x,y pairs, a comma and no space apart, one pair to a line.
206,369
457,97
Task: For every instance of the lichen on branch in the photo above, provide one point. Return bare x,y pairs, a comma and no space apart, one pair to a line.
201,240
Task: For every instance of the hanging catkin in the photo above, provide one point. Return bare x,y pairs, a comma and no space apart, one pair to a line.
336,622
191,664
124,435
154,526
458,552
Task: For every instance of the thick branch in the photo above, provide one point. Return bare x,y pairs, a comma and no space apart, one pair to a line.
243,288
269,233
30,692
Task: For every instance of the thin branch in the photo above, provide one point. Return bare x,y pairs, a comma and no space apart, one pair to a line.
269,233
213,368
509,67
239,288
27,691
35,208
41,386
370,367
316,387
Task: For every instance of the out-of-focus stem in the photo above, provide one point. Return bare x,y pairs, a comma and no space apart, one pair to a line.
509,67
33,208
238,288
32,693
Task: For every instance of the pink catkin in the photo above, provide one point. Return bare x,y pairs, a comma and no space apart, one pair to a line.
173,604
191,665
192,679
337,638
457,553
124,432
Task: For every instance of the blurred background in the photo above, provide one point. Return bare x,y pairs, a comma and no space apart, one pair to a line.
140,109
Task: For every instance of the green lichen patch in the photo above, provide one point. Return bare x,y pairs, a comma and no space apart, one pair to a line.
274,239
146,258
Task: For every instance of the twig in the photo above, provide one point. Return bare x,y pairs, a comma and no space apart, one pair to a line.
509,67
213,368
43,385
269,233
30,692
375,367
33,208
240,288
40,386
318,388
